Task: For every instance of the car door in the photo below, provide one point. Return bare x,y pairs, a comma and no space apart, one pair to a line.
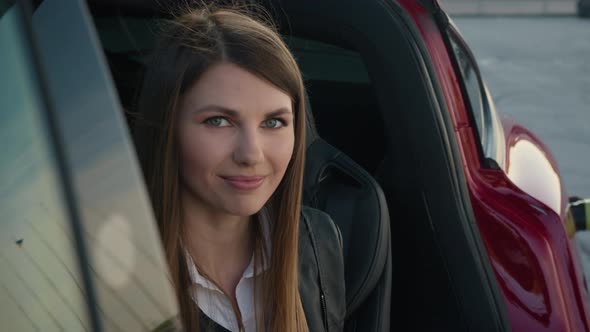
520,206
440,268
82,250
42,284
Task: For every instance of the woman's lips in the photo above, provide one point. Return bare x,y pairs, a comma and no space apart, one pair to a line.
244,182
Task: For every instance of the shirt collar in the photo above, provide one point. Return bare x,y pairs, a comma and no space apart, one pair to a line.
194,274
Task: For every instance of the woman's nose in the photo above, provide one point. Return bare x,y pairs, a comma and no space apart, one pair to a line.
248,148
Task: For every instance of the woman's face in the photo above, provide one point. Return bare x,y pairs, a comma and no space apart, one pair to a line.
236,136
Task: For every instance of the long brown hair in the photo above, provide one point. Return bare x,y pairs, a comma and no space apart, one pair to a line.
189,44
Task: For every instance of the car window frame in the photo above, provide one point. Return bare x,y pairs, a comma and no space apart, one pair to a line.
490,137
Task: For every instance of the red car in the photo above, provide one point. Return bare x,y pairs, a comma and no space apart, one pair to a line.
477,237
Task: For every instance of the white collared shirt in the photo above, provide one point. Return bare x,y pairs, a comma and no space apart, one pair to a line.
216,305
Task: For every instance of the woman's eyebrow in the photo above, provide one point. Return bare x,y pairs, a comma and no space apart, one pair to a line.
217,108
233,113
280,111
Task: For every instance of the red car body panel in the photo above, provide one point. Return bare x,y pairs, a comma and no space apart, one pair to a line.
520,211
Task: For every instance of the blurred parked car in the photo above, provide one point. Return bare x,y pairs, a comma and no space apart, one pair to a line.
481,236
583,8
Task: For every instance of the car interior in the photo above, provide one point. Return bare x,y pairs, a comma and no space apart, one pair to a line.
364,166
333,180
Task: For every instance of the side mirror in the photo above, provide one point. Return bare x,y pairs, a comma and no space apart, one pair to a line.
578,214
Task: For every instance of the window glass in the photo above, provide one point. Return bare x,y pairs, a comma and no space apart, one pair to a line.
40,284
128,267
472,86
487,122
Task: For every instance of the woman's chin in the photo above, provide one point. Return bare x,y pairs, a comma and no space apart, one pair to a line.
244,210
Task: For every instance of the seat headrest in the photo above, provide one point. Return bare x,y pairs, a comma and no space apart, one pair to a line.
311,133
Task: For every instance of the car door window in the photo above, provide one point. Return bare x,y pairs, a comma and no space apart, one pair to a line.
471,82
486,120
40,283
128,267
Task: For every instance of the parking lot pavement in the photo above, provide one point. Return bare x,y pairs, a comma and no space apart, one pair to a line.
538,71
510,7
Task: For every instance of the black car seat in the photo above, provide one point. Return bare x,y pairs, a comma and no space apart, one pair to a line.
337,185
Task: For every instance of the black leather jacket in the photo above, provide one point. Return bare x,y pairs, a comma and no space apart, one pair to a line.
321,274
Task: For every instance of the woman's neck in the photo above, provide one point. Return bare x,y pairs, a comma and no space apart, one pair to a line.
221,244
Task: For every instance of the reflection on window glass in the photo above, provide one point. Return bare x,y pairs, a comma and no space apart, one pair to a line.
5,5
40,287
127,264
471,82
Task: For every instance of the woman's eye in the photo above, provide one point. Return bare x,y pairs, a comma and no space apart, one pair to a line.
273,123
217,121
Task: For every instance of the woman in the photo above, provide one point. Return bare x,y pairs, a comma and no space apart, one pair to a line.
221,142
